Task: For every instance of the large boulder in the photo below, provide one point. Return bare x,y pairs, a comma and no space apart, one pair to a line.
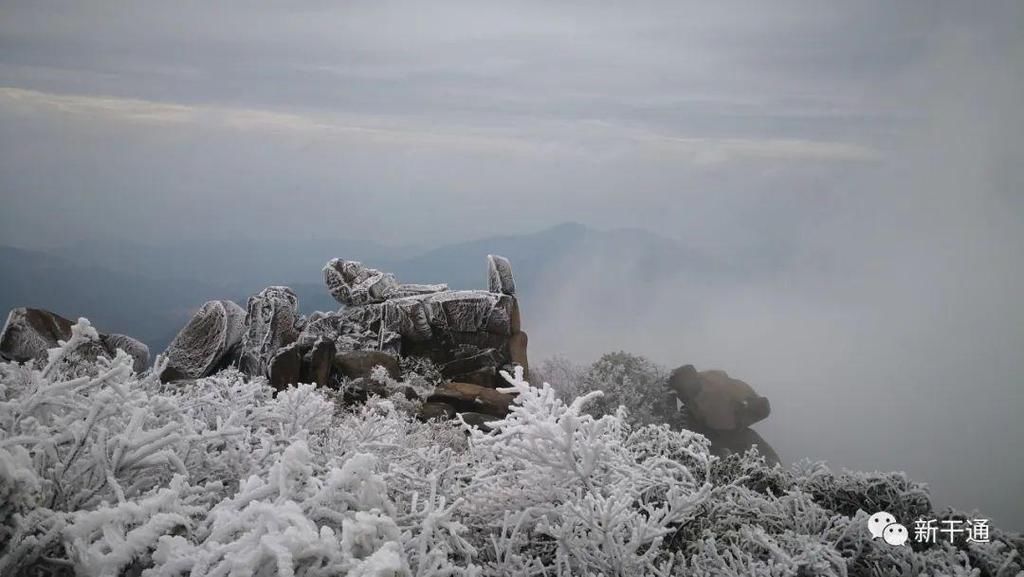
29,333
717,401
724,443
135,348
207,343
352,283
272,321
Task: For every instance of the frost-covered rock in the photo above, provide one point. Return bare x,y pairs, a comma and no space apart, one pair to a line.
352,283
208,342
499,275
272,321
461,311
135,348
29,333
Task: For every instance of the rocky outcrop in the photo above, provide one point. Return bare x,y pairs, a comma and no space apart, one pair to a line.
469,335
29,333
272,321
207,343
721,408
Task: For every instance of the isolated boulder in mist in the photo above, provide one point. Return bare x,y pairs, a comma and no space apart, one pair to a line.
724,443
499,275
717,401
206,343
272,321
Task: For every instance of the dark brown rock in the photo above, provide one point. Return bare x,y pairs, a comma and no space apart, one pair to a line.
318,363
360,364
478,419
485,377
517,345
435,410
717,401
724,443
470,361
470,397
286,367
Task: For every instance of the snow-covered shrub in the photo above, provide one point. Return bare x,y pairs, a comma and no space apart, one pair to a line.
627,380
106,472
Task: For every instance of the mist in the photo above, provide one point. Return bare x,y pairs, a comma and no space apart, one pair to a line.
848,177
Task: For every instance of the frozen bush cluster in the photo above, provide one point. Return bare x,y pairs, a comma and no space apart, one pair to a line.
107,472
626,380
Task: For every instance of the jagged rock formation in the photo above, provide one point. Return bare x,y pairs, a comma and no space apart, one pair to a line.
469,335
721,408
207,343
29,333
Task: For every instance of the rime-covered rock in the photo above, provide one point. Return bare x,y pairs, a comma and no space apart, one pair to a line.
717,401
210,337
408,317
499,275
461,311
360,364
135,348
272,321
470,397
352,283
29,333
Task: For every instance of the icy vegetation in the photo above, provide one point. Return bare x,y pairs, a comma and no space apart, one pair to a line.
107,472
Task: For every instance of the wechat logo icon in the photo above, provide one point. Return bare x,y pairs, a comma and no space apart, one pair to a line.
883,525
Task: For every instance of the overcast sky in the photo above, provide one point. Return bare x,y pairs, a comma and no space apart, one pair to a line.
871,150
411,121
